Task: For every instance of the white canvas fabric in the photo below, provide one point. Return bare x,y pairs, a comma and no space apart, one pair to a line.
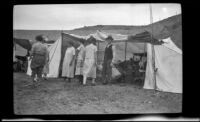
54,59
170,44
168,61
29,68
20,51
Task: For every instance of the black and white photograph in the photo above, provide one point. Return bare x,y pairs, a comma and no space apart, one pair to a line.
80,59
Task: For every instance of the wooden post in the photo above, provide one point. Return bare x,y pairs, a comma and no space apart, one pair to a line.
125,48
98,53
152,47
60,65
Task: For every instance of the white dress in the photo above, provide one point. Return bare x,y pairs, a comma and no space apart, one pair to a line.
89,69
79,64
67,70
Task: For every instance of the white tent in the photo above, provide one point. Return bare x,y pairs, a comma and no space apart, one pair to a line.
168,61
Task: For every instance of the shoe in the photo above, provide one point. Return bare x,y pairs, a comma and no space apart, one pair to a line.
104,83
34,80
45,78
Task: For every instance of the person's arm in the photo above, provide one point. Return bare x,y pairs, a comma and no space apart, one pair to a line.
73,58
95,56
114,54
32,51
84,53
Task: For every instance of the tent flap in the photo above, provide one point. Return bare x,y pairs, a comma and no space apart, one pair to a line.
169,73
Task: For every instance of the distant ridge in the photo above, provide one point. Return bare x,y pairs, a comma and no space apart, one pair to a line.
172,24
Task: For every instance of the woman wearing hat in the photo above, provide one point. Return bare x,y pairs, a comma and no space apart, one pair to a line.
90,61
39,53
79,60
109,55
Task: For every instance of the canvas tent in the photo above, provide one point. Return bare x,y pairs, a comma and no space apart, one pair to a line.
168,62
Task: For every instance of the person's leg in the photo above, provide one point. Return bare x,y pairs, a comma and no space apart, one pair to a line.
93,81
80,78
45,76
69,79
109,72
84,79
104,75
33,74
39,72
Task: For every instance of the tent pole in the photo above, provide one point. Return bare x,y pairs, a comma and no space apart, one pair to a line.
152,47
60,65
125,48
98,52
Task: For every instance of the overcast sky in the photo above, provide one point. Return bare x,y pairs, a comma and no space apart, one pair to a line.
70,16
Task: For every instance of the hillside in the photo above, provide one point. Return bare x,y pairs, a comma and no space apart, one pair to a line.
169,26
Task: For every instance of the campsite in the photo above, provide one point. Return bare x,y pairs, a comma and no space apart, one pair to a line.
154,88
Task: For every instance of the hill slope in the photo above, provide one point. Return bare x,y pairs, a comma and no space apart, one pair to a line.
170,26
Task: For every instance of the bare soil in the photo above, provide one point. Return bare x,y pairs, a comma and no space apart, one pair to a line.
56,96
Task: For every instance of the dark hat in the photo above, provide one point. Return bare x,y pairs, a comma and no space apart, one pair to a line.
39,38
91,39
110,38
82,41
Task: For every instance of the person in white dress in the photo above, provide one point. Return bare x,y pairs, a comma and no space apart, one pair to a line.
90,61
79,61
68,62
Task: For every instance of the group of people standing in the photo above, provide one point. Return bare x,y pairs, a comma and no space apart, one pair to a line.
85,58
80,62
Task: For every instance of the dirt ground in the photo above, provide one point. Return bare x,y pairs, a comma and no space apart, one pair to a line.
57,96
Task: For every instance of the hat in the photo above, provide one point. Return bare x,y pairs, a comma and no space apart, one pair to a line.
39,38
82,41
110,38
91,39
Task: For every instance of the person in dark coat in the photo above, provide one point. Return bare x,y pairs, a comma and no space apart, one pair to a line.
38,53
108,62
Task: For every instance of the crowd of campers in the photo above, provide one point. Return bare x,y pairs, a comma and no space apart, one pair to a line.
76,67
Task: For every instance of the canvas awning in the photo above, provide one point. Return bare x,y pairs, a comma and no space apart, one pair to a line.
25,43
144,37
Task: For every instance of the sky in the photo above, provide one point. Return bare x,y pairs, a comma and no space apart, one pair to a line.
71,16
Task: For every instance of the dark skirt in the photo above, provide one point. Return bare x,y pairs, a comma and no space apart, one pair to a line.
37,61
